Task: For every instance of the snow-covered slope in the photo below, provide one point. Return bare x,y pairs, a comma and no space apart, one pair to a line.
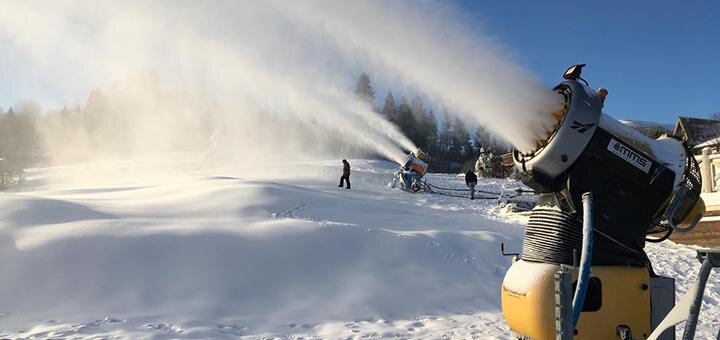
269,253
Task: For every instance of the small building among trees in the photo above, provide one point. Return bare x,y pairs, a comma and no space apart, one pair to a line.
698,131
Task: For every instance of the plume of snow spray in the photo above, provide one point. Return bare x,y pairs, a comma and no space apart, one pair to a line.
427,46
233,57
221,64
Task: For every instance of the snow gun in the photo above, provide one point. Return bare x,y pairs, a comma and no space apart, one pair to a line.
603,190
410,173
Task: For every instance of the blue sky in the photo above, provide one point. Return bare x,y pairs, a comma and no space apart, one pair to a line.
658,59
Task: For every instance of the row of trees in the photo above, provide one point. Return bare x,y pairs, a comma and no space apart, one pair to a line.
120,124
449,142
19,140
115,124
105,124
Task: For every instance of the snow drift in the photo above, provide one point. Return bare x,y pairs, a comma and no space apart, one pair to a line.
222,254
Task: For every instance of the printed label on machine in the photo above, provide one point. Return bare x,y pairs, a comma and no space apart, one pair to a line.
630,156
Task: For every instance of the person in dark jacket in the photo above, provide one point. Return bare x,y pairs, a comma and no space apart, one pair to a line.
471,182
346,175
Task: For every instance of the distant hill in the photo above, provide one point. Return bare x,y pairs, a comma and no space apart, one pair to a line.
642,124
645,126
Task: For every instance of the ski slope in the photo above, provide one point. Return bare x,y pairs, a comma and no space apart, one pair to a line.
276,252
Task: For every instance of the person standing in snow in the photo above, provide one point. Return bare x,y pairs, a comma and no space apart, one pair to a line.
471,182
346,174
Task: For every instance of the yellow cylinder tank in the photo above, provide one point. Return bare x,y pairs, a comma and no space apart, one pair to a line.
620,296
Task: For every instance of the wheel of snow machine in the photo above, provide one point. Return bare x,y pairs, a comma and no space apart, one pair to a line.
415,186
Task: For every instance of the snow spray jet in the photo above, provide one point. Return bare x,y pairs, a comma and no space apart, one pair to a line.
324,105
236,56
425,44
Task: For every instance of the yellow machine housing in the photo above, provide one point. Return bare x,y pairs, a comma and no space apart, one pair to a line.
528,301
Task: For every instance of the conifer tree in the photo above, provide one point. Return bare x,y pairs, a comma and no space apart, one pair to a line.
364,90
445,136
406,121
389,110
431,131
461,147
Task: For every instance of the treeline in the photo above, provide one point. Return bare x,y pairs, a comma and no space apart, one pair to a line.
19,138
28,134
452,147
116,123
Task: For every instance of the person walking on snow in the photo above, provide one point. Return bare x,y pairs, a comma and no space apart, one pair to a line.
346,175
471,182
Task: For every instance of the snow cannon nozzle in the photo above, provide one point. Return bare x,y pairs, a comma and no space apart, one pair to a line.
642,187
410,174
582,136
420,154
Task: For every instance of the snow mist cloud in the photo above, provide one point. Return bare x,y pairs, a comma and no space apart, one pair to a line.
255,86
256,80
426,45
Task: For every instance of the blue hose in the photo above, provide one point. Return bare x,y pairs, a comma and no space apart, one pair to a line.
585,258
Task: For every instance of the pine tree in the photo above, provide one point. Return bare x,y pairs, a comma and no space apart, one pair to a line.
23,136
488,164
484,141
9,132
389,111
424,128
417,107
655,132
445,136
364,90
477,140
462,149
431,131
95,111
490,150
406,121
6,129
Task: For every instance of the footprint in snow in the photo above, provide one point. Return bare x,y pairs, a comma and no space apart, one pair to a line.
166,327
417,324
106,320
231,329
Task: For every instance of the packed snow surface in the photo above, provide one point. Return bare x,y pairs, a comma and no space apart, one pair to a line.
271,252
